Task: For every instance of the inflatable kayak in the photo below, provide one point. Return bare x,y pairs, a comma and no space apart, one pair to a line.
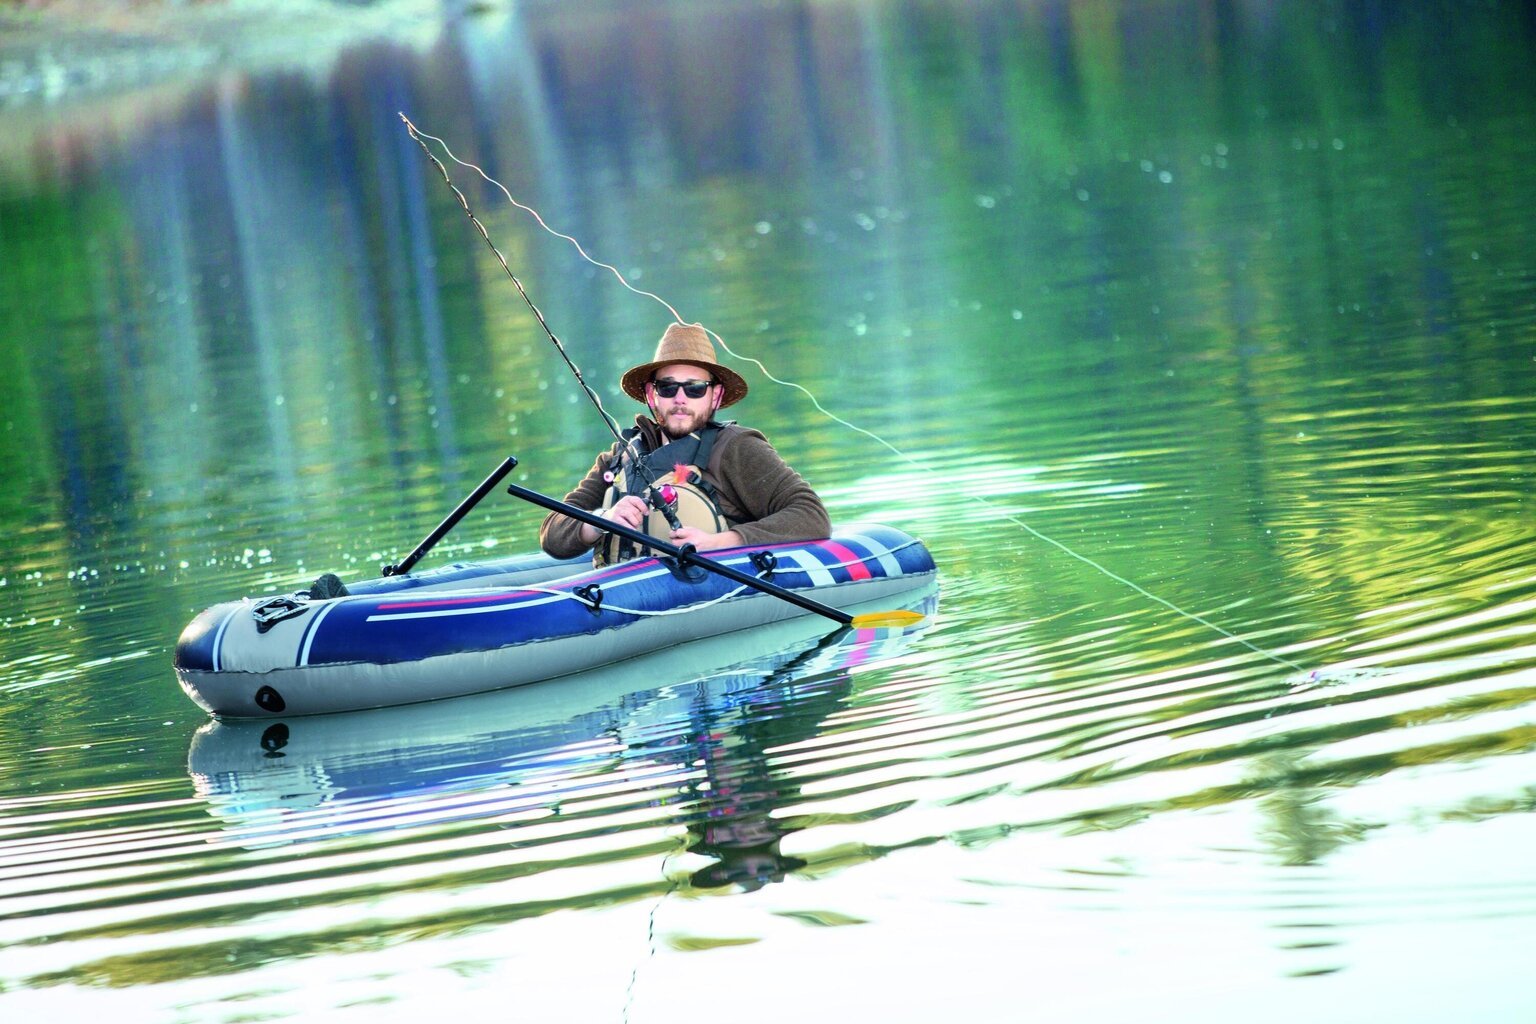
471,628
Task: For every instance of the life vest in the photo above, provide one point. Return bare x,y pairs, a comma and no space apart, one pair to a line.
681,465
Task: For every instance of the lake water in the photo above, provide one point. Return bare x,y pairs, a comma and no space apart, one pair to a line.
1199,340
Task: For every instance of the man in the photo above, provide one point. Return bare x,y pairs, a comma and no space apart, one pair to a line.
728,486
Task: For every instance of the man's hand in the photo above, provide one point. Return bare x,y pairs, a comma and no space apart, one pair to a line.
705,541
628,511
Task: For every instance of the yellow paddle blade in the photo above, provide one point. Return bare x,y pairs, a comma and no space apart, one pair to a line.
895,617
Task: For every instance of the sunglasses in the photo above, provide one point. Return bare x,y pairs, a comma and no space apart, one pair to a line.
691,388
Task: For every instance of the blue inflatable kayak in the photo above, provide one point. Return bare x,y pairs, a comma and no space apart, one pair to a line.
471,628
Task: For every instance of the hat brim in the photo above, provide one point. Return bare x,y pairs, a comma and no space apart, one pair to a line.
634,380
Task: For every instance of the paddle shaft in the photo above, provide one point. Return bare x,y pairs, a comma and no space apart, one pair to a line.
686,555
486,486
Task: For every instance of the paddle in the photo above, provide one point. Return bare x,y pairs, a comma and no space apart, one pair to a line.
452,520
688,555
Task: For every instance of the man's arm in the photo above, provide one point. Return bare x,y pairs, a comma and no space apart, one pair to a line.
778,505
560,536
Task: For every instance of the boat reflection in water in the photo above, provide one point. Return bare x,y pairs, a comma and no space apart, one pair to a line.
611,747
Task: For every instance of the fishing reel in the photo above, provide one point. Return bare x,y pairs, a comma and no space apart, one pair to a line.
664,500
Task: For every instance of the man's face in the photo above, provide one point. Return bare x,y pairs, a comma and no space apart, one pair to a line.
680,415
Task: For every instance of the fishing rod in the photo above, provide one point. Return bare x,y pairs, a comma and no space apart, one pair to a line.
608,420
662,499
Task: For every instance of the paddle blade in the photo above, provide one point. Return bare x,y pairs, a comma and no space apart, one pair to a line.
897,617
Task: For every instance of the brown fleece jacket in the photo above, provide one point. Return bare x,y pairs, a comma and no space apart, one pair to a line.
764,500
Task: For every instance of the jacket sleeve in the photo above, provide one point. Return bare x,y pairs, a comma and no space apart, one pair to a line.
773,502
560,536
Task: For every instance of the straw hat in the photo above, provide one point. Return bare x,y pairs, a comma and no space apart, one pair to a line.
685,343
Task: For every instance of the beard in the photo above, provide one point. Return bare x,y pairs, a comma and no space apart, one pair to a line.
680,426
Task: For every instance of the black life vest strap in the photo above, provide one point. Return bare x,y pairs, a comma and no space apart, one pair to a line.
661,460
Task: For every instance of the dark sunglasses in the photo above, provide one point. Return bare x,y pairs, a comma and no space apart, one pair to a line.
691,388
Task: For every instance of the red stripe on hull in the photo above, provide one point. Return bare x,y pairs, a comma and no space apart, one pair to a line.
857,570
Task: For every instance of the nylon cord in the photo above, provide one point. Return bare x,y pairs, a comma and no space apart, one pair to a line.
909,459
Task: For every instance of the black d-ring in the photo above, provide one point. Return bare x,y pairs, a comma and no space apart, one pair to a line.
765,562
593,595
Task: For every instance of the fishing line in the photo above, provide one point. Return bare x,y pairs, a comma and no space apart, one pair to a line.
650,927
910,460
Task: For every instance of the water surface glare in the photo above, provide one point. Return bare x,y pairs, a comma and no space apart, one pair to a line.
1235,303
